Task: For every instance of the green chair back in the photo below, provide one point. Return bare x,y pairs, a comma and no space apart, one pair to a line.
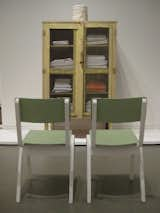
119,110
42,110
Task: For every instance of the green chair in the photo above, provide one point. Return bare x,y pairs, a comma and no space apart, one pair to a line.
56,142
109,141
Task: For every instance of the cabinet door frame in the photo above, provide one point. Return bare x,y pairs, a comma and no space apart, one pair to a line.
110,70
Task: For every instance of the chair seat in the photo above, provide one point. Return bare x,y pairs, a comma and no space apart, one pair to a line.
115,137
55,137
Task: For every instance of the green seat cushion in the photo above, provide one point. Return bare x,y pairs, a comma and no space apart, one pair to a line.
115,137
45,137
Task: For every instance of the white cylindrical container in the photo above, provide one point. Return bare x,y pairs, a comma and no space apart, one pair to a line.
79,12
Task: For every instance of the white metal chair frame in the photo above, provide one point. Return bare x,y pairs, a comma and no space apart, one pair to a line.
92,149
68,149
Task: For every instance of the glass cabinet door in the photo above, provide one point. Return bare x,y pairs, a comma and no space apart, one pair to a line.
96,65
60,61
62,64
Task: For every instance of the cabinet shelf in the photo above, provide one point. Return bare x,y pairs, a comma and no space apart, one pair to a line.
62,46
96,71
96,93
86,114
97,45
61,71
61,94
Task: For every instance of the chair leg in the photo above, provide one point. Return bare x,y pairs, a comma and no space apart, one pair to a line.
19,175
71,171
142,178
88,169
131,175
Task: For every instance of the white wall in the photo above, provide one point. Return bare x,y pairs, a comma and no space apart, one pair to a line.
138,47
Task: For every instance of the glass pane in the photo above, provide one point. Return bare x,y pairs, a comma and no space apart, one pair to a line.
62,86
96,86
61,49
63,35
97,48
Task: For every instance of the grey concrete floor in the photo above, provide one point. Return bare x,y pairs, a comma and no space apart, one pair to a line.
112,192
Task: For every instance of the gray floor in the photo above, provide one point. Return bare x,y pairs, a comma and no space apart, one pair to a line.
112,192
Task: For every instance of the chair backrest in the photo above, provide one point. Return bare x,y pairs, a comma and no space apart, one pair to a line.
42,111
119,110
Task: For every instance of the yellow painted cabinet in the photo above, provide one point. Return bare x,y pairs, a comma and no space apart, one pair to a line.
79,62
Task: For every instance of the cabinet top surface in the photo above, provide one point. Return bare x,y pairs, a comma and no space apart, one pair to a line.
76,22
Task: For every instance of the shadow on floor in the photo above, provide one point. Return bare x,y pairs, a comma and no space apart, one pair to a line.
103,186
49,193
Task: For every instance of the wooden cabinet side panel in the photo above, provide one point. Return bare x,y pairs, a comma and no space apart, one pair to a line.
45,71
113,73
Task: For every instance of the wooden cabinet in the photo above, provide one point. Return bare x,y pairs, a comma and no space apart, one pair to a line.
79,62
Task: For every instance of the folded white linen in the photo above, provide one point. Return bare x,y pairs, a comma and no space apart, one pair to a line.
94,37
62,85
96,60
97,66
63,61
95,57
62,42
